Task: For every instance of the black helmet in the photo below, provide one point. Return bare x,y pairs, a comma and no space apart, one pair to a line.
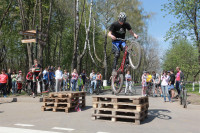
122,17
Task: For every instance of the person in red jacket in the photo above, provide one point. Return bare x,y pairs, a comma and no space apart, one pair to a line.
29,79
3,81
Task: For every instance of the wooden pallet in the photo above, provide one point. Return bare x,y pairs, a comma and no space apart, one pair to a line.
55,109
120,113
120,118
60,104
68,100
66,94
126,106
121,99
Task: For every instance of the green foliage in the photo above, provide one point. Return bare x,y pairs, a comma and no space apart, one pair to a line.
189,88
185,11
184,55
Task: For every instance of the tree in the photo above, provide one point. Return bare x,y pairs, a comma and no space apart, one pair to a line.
188,25
184,55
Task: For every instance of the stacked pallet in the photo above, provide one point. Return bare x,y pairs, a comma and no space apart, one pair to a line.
120,108
64,101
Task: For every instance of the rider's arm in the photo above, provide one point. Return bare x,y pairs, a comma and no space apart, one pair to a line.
133,34
111,36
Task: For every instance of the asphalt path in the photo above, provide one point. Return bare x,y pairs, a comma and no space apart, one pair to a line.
27,117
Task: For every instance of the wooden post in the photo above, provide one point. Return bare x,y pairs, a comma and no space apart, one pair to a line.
193,87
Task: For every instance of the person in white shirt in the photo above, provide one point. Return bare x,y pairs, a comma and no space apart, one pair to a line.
164,85
59,77
128,82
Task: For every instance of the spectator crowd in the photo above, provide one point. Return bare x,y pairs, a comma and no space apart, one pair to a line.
51,79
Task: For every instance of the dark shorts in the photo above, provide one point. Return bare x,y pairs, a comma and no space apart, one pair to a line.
158,85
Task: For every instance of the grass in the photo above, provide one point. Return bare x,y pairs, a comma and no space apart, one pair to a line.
107,87
189,88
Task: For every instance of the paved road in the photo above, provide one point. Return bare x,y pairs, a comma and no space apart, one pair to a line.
27,117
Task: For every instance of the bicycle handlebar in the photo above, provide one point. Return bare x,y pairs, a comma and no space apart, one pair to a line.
124,39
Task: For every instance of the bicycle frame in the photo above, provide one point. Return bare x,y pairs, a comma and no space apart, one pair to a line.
121,69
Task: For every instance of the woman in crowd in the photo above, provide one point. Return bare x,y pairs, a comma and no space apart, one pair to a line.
74,79
14,82
164,85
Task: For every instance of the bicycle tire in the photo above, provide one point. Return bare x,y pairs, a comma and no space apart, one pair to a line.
97,90
134,50
117,82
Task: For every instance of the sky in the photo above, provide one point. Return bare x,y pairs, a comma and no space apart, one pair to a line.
158,25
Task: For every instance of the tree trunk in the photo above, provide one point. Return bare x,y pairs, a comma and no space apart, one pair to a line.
54,53
48,36
105,64
5,13
41,46
76,23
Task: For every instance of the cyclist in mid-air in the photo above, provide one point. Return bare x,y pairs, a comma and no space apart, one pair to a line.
118,30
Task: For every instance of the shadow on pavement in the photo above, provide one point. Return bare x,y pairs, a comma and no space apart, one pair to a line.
86,108
1,111
157,113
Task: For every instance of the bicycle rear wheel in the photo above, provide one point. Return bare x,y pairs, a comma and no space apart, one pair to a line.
134,50
117,82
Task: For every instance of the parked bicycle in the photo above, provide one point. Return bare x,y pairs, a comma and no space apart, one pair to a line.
133,51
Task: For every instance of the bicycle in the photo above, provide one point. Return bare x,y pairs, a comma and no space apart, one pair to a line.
99,88
132,48
51,86
183,96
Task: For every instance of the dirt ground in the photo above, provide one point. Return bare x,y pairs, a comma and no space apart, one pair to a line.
193,99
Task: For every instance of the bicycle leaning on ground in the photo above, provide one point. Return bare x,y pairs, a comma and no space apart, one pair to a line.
133,51
183,95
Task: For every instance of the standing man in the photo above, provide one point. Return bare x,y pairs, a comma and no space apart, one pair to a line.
84,77
118,30
37,77
93,80
157,85
9,86
99,78
59,77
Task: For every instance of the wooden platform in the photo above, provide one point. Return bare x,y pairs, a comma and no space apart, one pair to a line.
132,109
117,99
63,101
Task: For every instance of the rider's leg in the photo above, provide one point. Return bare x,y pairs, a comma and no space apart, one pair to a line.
117,55
116,51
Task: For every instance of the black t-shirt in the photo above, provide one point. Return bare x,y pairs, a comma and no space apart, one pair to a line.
172,78
119,30
83,76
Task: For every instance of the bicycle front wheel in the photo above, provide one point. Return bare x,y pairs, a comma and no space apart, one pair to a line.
117,82
134,50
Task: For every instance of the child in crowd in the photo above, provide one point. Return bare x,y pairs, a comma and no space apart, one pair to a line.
19,82
80,82
128,82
